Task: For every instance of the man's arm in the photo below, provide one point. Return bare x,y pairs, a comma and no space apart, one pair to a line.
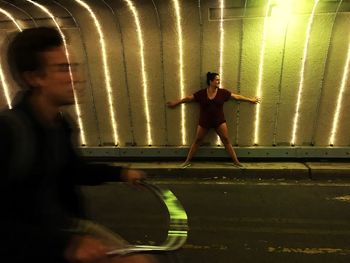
93,173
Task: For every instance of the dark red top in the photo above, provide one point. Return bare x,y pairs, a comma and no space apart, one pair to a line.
211,110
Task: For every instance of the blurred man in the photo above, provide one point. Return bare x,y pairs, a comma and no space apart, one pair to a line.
42,215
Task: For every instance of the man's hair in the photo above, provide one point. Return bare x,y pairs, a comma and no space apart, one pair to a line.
25,48
211,76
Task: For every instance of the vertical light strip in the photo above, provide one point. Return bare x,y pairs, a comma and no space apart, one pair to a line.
261,72
200,43
105,68
302,71
143,69
125,70
77,108
239,71
324,67
2,75
181,66
222,36
5,88
340,98
88,73
284,13
221,50
161,49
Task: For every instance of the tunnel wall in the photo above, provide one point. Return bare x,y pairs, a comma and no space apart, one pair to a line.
126,110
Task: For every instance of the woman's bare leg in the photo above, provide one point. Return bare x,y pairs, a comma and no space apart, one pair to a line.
200,134
223,134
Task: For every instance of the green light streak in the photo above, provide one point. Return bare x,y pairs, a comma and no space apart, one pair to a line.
175,211
177,233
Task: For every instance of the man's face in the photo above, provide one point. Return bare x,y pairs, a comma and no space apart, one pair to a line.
55,82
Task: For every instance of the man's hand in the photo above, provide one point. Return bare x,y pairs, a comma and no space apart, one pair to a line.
132,176
85,249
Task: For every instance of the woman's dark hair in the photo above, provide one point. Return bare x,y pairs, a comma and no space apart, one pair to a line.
25,48
211,76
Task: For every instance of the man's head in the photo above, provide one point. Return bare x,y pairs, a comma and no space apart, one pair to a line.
38,62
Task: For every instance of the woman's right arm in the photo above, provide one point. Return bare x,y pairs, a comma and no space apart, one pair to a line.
173,104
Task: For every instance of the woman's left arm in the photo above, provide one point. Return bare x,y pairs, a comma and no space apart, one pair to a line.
242,98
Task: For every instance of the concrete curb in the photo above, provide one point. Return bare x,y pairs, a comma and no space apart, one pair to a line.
320,171
227,173
252,170
211,170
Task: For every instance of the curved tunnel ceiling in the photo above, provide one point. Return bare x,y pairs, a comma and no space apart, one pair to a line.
136,55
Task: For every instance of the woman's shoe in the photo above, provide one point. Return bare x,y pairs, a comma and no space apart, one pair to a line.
238,165
185,165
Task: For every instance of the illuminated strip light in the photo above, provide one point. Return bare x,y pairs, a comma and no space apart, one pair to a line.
222,36
143,69
5,88
11,18
181,66
105,68
261,71
340,98
302,71
2,75
77,109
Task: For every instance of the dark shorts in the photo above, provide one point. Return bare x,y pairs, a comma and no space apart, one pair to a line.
211,125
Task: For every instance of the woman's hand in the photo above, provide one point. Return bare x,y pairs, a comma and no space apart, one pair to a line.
255,100
171,104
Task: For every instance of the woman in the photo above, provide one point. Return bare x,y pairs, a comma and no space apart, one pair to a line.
211,101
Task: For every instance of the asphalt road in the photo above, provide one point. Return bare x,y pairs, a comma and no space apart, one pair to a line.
235,220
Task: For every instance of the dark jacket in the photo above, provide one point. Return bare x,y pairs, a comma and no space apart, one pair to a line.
40,172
